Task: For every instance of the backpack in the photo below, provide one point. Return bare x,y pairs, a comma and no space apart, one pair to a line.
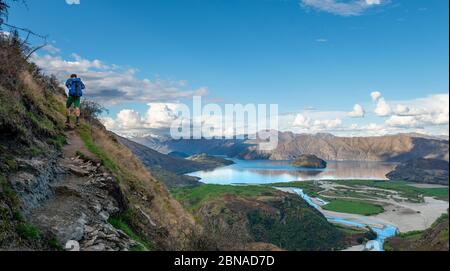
76,88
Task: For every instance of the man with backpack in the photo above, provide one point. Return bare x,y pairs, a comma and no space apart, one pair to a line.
76,87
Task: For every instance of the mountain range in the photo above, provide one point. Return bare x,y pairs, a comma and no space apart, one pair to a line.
390,148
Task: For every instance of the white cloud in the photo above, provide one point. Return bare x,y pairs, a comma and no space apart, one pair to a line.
327,124
375,95
429,111
73,2
402,121
161,115
111,84
358,112
373,2
51,49
316,125
383,109
302,121
129,119
342,8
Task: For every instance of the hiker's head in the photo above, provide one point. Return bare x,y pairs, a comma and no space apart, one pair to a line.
73,76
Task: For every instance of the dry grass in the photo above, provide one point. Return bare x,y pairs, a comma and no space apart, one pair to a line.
172,224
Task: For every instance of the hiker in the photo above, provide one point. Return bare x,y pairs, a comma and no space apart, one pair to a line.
75,86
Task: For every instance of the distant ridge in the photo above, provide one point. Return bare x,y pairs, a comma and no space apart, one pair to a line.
390,148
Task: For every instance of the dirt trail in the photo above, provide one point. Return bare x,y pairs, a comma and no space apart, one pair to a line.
74,145
82,203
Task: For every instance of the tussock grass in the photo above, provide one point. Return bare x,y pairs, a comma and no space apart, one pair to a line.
122,223
143,192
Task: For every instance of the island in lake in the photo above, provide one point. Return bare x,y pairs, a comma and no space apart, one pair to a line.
309,161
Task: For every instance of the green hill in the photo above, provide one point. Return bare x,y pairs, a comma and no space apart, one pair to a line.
432,239
236,217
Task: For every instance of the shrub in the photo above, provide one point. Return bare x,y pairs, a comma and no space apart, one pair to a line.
28,232
91,111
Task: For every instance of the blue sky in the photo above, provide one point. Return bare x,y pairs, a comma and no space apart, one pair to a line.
324,55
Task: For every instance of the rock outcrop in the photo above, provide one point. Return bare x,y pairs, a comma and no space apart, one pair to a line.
84,197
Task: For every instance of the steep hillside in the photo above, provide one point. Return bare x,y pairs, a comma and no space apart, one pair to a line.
171,170
153,159
51,192
237,218
395,148
230,148
433,239
432,171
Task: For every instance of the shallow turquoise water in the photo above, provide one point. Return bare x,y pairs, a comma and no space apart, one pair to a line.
382,233
264,172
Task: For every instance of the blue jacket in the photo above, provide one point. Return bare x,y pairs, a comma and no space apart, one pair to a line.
75,86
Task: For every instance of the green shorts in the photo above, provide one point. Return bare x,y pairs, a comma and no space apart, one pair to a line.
76,101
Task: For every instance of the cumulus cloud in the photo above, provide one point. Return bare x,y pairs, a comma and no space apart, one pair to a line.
358,112
112,84
162,115
342,8
302,121
375,95
383,109
428,115
129,119
159,116
316,125
402,121
429,111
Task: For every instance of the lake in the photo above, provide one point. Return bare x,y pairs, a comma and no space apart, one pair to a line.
266,171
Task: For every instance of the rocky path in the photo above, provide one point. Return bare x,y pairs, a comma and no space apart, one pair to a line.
84,197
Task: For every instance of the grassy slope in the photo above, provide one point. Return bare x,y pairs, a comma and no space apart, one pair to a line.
172,225
31,124
433,239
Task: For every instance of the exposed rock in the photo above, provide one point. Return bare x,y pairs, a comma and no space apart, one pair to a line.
32,181
430,171
309,161
78,211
